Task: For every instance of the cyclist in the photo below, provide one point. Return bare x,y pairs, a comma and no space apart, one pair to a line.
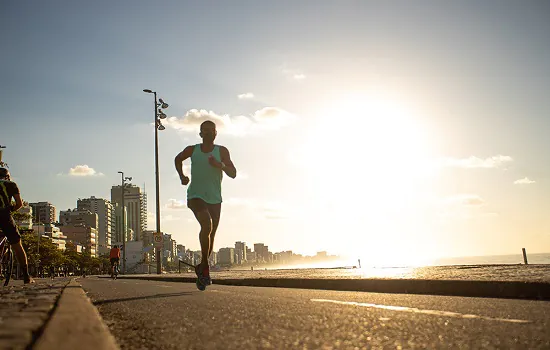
9,190
114,256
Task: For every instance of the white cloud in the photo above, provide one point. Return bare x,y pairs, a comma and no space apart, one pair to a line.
295,74
465,207
268,118
176,204
83,170
465,200
245,96
272,118
524,181
475,162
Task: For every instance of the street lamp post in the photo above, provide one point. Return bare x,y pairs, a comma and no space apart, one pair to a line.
122,190
38,247
1,162
159,114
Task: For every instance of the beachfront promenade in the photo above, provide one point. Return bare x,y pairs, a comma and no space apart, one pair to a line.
168,312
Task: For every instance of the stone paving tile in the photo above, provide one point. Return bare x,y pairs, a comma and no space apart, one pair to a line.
24,310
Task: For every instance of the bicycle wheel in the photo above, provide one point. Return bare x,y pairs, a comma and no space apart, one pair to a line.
2,252
6,258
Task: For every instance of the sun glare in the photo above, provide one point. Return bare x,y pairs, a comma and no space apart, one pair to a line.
375,155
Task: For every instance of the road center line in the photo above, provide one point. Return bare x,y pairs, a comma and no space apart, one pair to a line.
421,311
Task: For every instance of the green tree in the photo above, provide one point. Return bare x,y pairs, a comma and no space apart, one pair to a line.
48,253
19,216
72,258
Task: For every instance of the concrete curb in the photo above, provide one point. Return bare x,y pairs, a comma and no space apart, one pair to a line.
470,288
75,324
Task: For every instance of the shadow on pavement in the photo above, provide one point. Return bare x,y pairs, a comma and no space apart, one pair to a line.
156,296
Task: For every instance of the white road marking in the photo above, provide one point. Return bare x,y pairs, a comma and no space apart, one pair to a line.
421,311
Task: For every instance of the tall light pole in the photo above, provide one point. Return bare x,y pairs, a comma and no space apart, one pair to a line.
122,190
38,246
1,162
158,126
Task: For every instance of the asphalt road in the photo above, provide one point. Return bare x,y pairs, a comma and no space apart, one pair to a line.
168,315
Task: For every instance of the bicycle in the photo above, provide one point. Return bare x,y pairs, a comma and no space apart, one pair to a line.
114,274
6,260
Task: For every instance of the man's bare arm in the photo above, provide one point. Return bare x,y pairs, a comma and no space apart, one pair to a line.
178,162
229,168
18,202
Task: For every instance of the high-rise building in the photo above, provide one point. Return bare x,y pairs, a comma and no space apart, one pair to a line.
78,217
106,221
240,252
213,260
226,256
285,257
148,238
83,235
135,202
117,236
196,257
250,255
43,212
181,249
26,223
53,232
170,247
262,252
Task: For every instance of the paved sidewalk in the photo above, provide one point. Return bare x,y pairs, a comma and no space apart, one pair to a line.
50,314
25,309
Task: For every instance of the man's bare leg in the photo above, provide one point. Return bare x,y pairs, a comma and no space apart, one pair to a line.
212,235
204,237
214,212
21,257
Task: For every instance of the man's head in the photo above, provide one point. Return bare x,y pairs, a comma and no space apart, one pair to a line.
4,174
208,132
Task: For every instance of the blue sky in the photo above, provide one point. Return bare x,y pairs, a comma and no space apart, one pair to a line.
387,130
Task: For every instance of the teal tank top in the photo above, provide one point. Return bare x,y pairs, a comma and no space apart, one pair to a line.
206,180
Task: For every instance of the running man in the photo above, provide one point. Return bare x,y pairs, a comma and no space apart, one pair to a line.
9,190
204,194
114,257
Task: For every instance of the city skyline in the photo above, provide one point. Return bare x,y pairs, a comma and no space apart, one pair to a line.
75,210
395,132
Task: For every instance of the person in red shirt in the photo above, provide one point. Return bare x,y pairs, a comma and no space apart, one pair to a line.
114,256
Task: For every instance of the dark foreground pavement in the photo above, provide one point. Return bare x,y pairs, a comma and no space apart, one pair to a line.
171,315
24,310
50,314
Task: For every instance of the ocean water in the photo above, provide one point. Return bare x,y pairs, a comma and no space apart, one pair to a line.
510,259
541,258
485,268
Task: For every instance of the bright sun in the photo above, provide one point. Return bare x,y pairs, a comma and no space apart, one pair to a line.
374,152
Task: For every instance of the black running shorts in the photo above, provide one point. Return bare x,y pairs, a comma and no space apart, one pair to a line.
198,205
8,227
